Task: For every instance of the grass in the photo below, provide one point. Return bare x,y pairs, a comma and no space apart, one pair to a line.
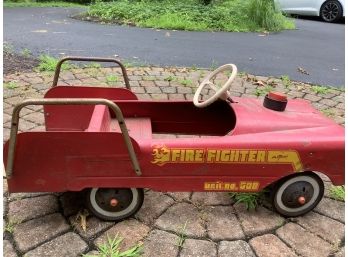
337,192
182,236
250,200
112,79
8,48
112,249
321,90
26,52
9,227
228,15
194,67
94,65
263,91
28,3
49,63
286,81
267,15
186,82
170,78
328,112
11,85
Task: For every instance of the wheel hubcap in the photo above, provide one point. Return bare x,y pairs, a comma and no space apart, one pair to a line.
113,200
330,11
297,194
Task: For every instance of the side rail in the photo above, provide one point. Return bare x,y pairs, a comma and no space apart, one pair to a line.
89,59
68,101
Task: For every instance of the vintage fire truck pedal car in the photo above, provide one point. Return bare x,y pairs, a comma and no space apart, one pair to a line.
102,140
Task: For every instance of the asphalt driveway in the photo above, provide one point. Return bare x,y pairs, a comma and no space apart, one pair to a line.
316,48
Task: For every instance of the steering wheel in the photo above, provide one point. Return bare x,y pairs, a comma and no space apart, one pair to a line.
221,93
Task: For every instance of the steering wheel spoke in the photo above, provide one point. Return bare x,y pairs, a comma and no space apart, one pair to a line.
220,93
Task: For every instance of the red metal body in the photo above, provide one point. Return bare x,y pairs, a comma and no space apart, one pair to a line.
243,146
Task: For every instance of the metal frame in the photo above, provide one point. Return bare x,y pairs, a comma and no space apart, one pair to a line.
68,101
89,59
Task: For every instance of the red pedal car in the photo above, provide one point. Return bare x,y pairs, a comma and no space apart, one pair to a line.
104,140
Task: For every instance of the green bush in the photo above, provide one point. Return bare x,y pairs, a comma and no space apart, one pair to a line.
265,14
228,15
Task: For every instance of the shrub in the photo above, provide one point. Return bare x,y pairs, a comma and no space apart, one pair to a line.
266,14
228,15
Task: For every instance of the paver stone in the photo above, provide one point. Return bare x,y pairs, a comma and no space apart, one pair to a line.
175,218
269,246
93,226
8,249
256,222
131,230
198,248
161,244
222,223
154,204
331,208
67,245
30,208
34,232
303,242
238,248
329,229
211,198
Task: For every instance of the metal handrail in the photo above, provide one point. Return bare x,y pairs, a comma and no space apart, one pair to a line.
89,59
68,101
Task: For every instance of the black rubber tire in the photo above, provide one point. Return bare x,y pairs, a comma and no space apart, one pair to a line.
331,11
280,187
135,204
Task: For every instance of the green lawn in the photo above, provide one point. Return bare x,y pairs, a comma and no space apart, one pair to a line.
28,3
222,15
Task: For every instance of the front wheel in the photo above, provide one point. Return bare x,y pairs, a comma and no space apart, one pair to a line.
331,11
114,204
297,195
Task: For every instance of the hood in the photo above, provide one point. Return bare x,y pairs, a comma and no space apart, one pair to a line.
253,117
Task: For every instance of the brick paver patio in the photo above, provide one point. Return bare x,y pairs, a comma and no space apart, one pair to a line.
46,224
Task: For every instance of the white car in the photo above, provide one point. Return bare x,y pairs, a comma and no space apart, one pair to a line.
328,10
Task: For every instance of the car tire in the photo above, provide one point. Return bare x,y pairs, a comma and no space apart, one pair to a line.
114,204
298,194
331,11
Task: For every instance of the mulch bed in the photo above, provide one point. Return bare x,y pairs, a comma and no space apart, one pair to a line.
17,63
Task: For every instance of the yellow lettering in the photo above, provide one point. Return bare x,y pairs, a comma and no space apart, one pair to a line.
232,186
244,154
182,155
211,155
199,155
252,156
236,156
255,186
261,156
218,153
232,156
225,155
189,156
206,186
175,155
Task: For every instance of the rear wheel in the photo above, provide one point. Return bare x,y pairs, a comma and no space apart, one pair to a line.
331,11
297,195
114,203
